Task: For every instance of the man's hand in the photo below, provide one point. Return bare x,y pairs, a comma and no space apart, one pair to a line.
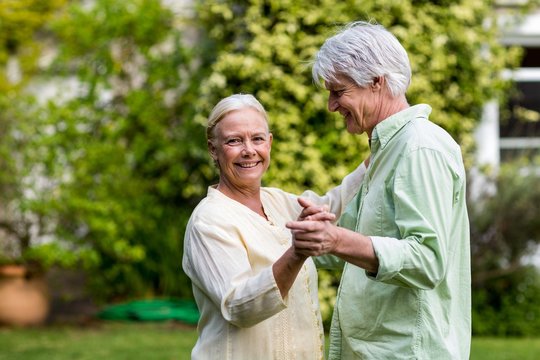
313,238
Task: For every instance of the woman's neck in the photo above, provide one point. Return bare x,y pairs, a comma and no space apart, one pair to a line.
247,196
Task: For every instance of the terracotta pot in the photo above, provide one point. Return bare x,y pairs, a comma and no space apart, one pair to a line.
24,299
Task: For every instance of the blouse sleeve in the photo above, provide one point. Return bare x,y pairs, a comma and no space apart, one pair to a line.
217,263
338,197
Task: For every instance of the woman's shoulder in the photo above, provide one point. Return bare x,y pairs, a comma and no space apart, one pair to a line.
278,195
283,202
210,207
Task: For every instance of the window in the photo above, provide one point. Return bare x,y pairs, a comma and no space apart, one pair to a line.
519,124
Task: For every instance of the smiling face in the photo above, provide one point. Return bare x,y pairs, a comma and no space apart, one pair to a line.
360,107
241,147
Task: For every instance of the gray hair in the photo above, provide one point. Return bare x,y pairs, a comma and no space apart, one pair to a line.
228,105
363,51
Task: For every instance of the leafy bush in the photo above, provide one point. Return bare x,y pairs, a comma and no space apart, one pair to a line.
122,158
505,231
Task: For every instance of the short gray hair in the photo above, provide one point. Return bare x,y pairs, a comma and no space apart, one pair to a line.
363,51
230,104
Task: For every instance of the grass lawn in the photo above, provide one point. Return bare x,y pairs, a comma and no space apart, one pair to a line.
505,348
101,340
167,341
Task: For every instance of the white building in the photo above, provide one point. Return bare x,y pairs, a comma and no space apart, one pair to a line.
498,137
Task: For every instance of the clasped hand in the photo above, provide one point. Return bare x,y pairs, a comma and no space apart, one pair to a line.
313,231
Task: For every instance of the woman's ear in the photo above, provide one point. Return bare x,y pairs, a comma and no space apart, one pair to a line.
212,149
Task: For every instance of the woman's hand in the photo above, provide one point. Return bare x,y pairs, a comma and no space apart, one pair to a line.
314,212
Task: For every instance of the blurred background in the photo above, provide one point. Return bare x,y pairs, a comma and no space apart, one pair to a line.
103,153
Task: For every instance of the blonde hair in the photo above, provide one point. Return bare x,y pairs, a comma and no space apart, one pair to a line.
230,104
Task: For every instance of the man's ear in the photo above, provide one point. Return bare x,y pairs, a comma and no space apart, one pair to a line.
378,83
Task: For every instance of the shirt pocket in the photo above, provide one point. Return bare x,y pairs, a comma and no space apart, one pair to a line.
369,221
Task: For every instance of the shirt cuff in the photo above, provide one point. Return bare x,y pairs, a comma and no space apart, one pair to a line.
389,255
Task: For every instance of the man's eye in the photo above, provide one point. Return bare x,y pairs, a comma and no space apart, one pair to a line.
338,93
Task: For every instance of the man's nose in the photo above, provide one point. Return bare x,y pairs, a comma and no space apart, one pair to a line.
332,103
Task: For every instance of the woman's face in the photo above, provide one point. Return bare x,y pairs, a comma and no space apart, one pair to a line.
359,106
241,147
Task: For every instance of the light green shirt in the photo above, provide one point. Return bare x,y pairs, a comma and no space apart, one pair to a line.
412,205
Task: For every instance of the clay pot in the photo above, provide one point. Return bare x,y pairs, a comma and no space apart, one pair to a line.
24,299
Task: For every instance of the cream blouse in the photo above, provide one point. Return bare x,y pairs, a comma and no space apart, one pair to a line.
229,251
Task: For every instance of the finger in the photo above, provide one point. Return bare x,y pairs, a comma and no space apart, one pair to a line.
305,202
311,211
300,226
305,245
322,216
307,248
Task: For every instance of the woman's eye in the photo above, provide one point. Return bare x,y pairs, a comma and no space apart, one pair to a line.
234,141
258,139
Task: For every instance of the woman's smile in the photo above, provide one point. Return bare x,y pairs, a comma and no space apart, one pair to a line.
242,149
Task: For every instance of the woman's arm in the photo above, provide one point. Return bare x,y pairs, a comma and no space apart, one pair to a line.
217,262
338,197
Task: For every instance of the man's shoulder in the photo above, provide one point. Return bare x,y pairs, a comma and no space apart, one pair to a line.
423,133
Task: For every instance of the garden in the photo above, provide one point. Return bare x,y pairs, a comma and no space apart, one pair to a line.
103,155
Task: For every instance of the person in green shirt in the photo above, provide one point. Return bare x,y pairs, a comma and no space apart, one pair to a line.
405,289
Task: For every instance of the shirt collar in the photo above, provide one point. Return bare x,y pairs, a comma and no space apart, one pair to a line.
386,129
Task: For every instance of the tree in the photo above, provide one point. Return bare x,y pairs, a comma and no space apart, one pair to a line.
22,27
121,151
22,21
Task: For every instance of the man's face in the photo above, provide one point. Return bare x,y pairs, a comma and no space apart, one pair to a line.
357,105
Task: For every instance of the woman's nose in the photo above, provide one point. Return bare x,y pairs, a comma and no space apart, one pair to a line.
248,148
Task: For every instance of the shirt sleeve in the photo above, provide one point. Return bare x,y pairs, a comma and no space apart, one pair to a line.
423,196
217,263
328,262
338,197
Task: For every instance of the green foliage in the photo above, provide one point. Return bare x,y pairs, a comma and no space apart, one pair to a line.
505,226
125,159
505,230
19,225
265,47
508,305
21,22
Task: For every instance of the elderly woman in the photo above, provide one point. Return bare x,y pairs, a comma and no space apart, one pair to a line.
405,290
257,296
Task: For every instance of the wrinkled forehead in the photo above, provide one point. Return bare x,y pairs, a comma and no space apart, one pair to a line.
338,82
